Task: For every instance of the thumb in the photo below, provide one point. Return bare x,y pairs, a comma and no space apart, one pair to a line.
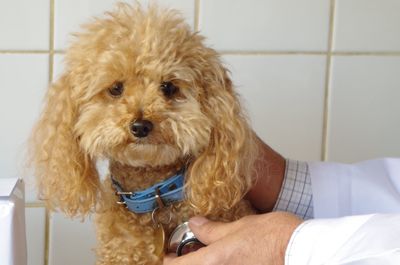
208,231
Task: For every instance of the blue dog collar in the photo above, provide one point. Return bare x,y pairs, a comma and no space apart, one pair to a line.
146,201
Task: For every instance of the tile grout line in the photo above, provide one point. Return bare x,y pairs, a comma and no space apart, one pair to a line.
365,53
34,205
261,53
244,53
328,70
196,15
332,53
51,70
51,45
24,51
47,237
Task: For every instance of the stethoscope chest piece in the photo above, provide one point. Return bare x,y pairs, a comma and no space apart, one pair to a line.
183,241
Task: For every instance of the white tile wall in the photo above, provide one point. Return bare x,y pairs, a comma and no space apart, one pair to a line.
365,110
24,24
68,15
367,25
24,78
260,25
71,241
35,234
72,13
58,66
285,99
278,53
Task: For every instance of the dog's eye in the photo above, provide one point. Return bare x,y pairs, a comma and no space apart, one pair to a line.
168,89
116,89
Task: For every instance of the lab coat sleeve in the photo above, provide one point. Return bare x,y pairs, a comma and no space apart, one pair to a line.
354,240
368,193
355,189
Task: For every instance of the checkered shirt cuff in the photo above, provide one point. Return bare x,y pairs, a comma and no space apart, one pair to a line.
296,194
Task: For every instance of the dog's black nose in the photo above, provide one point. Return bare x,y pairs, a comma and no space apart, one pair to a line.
141,128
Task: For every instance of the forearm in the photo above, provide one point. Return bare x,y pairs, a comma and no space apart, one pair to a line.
270,171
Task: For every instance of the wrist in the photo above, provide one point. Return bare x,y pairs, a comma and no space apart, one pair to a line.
277,229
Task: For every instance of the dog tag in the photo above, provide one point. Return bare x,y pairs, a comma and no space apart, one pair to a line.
159,240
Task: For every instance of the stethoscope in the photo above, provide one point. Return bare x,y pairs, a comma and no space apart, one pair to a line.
182,240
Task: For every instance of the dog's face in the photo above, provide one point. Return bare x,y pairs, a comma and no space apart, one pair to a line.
143,102
143,120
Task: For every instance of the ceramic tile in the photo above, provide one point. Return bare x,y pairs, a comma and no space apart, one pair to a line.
367,25
35,235
58,66
186,7
69,14
364,115
71,241
254,25
24,80
284,96
24,25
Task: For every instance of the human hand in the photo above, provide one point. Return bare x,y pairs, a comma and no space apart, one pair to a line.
254,240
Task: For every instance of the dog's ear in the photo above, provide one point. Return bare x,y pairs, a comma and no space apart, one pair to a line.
66,177
223,173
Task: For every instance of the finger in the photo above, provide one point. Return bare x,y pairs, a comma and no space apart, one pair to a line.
193,258
169,259
208,231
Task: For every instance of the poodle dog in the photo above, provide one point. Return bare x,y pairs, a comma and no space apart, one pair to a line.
141,90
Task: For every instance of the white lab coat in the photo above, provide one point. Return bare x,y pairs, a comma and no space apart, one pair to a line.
357,211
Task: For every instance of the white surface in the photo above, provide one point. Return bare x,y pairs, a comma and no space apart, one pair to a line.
24,79
355,240
6,186
284,96
71,241
265,24
355,189
369,187
364,115
12,224
70,14
24,24
35,235
367,25
58,67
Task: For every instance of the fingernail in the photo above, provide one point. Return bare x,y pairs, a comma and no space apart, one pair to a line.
198,221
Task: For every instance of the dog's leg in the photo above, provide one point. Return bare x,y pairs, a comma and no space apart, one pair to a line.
124,238
124,241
